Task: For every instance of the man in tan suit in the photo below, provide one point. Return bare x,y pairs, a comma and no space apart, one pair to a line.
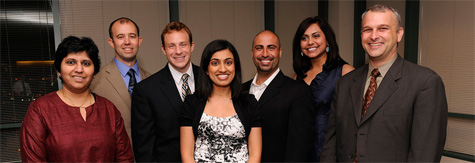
115,80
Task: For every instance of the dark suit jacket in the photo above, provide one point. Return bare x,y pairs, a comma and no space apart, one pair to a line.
155,126
244,106
405,122
288,116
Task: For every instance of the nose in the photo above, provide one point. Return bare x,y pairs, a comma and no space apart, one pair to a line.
79,68
374,35
178,50
265,53
127,40
310,41
222,68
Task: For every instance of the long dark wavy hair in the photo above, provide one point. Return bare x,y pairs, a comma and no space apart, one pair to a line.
205,85
301,63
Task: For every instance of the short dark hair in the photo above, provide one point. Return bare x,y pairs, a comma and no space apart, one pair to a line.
175,26
301,63
123,20
73,44
205,85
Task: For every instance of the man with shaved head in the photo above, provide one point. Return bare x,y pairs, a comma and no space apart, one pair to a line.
286,105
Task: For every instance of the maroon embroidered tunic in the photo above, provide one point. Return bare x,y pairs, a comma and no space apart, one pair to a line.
53,131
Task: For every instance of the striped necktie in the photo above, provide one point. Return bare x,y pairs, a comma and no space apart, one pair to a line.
185,88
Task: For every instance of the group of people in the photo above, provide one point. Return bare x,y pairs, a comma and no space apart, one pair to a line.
388,110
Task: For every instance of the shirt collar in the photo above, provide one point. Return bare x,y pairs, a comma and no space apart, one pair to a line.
123,69
384,68
267,82
177,75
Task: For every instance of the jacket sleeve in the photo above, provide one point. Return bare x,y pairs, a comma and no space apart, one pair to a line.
143,131
329,146
300,138
429,127
186,114
123,148
256,113
33,135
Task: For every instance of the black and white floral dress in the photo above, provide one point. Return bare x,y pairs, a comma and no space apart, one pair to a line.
221,139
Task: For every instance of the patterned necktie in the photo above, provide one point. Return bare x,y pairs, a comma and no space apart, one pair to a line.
371,91
185,89
132,80
369,96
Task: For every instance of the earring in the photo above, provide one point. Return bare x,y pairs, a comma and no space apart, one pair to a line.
301,53
328,48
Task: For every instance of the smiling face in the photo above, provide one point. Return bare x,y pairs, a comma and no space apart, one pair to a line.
313,42
177,47
379,36
221,68
77,71
125,42
266,52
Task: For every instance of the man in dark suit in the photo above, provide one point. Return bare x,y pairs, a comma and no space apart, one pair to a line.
156,100
286,105
389,110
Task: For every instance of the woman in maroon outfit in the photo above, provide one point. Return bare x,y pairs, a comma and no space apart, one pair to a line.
72,124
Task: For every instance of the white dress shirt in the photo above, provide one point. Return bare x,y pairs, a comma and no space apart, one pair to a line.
177,78
258,90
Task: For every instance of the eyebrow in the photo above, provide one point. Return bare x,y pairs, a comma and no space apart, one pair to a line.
224,59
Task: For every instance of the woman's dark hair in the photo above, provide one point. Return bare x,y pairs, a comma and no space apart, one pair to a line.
301,63
205,85
73,44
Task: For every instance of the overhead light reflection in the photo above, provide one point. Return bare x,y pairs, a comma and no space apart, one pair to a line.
30,63
31,17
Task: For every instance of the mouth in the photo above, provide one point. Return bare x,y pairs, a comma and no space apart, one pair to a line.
179,58
79,78
223,76
128,49
375,45
312,49
265,62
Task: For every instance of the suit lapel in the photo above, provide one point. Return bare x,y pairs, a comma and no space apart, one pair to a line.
357,93
118,83
272,89
143,74
170,91
387,87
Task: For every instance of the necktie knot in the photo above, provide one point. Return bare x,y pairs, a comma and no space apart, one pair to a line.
185,77
132,80
375,72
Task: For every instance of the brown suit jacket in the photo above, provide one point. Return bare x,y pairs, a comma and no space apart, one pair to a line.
109,83
405,122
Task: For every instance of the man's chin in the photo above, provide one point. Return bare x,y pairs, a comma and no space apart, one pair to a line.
265,70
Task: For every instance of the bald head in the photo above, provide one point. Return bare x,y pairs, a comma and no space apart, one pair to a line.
266,33
266,53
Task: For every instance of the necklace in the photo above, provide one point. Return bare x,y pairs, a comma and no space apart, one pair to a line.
87,98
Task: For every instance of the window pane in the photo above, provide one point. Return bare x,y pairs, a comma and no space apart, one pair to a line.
27,72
